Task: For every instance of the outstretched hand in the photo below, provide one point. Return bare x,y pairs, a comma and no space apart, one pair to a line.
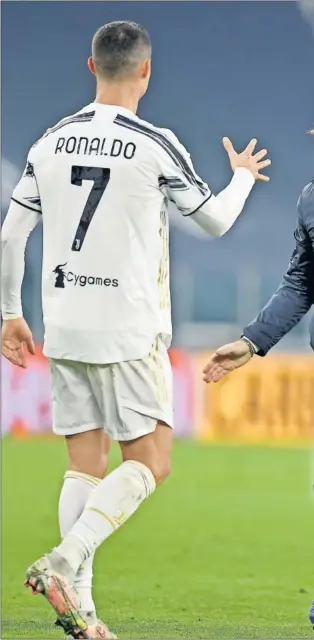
226,359
246,159
16,335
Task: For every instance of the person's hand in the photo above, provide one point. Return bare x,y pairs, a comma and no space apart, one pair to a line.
16,335
246,159
225,359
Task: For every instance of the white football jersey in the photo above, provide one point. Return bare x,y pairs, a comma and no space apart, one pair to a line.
101,180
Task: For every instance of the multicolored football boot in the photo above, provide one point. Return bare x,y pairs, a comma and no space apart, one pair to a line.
60,594
97,630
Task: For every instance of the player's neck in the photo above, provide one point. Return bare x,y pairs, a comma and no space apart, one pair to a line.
120,96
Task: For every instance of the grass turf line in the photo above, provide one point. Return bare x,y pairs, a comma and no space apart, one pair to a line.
222,550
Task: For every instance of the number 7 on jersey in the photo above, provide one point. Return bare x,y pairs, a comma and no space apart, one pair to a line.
100,177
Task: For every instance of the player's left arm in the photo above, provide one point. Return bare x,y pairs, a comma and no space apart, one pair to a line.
193,197
23,215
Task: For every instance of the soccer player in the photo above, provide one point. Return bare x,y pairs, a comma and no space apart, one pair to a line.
100,180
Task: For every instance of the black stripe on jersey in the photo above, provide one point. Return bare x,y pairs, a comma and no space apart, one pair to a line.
197,208
166,144
175,184
25,205
78,118
34,200
81,117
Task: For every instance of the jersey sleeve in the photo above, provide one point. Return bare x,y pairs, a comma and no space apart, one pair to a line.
26,192
178,179
23,215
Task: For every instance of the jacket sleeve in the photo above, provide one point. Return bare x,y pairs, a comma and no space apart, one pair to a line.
295,295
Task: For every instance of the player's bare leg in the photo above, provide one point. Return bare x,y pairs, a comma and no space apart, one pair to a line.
146,463
88,460
88,453
153,450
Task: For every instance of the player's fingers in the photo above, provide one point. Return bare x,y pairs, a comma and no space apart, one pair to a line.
207,367
212,367
262,178
21,356
207,376
220,375
263,164
260,154
30,346
9,356
228,146
211,374
211,362
13,355
251,146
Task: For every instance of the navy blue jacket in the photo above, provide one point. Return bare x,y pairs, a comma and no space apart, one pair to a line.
295,295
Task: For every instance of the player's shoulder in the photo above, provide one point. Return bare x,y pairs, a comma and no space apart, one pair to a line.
306,202
171,136
85,114
307,192
160,137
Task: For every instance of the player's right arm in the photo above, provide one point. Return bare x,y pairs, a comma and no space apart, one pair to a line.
214,213
23,215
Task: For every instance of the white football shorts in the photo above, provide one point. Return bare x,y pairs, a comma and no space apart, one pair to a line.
127,399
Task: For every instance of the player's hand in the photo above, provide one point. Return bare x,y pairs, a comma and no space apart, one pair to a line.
225,359
254,163
16,335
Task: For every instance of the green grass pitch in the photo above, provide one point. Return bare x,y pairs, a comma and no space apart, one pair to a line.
223,550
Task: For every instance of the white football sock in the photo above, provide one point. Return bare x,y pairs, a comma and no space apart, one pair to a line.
74,495
109,505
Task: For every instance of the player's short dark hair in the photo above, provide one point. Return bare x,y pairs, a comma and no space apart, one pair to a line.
118,48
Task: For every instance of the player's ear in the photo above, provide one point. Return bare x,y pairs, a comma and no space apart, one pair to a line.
91,66
145,69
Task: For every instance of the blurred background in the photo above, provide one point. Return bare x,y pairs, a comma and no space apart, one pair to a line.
222,551
242,69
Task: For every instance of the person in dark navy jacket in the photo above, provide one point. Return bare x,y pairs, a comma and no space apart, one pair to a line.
287,306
